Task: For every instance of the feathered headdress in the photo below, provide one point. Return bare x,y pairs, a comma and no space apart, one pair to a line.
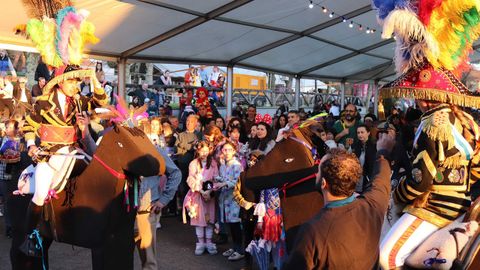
433,41
60,40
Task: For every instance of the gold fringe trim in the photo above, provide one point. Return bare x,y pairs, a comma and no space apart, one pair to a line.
421,201
436,132
431,94
453,162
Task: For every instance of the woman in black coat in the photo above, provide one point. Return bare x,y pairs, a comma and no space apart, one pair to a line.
365,149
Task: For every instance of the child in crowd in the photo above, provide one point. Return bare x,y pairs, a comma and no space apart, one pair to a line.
229,172
199,202
156,132
234,136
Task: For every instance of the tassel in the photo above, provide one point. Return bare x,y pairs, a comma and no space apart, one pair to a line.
272,226
126,196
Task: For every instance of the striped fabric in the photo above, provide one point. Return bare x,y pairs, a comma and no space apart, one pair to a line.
443,171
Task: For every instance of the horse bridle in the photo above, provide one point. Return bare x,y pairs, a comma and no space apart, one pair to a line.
315,158
112,171
311,148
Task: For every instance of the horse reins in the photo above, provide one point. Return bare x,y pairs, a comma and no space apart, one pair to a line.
298,182
112,171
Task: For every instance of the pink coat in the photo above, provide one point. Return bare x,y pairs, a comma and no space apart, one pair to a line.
201,212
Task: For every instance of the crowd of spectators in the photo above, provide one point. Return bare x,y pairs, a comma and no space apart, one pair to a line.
211,151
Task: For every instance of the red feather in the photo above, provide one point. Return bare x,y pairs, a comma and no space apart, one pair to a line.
425,8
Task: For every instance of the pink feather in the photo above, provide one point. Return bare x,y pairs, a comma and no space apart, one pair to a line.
70,22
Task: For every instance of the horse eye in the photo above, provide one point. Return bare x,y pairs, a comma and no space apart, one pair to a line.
288,160
120,144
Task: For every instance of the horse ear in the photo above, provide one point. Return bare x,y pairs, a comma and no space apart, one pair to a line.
315,127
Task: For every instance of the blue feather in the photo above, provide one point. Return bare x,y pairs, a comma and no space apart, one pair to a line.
60,16
384,7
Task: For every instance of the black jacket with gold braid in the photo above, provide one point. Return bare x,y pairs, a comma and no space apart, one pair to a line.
48,112
446,164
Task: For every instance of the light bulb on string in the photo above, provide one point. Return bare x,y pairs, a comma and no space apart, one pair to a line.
331,15
324,9
310,5
360,27
344,20
368,30
350,25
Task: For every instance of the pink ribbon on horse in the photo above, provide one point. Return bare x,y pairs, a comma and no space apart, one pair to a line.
51,194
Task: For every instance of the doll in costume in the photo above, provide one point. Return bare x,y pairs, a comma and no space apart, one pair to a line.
60,41
433,40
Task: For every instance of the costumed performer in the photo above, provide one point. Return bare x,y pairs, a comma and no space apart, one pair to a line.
60,42
202,99
433,41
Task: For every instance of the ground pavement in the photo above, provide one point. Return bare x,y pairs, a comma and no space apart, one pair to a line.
175,248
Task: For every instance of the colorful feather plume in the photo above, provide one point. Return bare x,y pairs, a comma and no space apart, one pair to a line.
440,31
61,41
384,7
121,113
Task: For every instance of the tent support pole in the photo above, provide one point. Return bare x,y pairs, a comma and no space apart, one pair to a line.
122,63
297,93
228,97
376,101
342,95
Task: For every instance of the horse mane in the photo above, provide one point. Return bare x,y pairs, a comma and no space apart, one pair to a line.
311,131
135,132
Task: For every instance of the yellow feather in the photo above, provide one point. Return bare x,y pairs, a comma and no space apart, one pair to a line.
444,21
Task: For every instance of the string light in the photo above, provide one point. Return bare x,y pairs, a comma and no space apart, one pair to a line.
332,14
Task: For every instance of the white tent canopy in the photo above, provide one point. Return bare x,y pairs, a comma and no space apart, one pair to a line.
284,36
278,35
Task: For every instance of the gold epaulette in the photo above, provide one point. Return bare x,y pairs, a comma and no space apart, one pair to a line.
437,126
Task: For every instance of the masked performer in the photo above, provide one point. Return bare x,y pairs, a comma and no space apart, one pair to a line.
54,114
433,41
202,100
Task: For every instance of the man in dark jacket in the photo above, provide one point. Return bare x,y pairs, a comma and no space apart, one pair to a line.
345,234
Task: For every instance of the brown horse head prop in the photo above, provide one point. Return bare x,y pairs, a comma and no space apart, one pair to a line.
291,159
291,166
131,150
97,208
